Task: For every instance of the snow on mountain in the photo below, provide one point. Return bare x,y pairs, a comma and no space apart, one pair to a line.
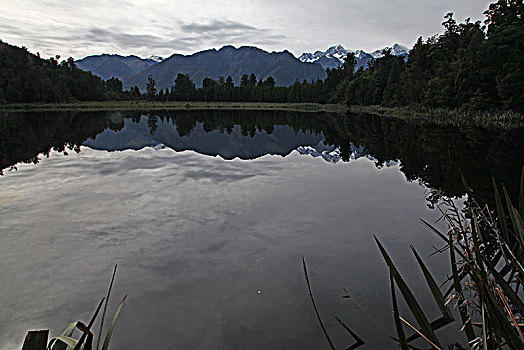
156,58
331,58
335,55
331,154
396,50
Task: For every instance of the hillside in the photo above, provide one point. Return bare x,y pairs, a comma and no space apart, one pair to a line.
229,61
25,77
114,66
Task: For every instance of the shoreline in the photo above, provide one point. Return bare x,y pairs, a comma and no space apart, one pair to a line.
501,119
178,105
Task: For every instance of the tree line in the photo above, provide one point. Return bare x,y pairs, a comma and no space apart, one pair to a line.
224,89
471,66
25,77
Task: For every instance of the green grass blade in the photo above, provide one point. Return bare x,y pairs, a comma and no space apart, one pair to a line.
88,330
470,334
437,324
438,233
315,306
499,318
358,341
63,342
500,212
521,194
68,332
513,214
484,335
435,290
105,309
515,300
112,325
398,324
413,305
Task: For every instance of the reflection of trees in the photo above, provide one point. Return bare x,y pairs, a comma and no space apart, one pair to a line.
437,156
26,137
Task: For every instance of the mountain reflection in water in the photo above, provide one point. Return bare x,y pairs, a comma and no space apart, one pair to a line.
209,248
436,156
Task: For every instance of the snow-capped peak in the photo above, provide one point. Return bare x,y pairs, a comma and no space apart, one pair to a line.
399,50
335,55
156,58
396,50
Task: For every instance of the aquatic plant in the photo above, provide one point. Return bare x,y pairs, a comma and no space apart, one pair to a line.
486,250
38,340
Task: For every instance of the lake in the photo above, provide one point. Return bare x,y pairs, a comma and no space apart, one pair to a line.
209,213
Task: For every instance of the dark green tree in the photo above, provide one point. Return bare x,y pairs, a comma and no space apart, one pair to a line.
151,87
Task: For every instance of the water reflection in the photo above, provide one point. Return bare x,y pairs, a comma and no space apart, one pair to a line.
198,237
436,156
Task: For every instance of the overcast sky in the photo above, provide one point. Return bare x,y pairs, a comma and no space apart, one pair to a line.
80,28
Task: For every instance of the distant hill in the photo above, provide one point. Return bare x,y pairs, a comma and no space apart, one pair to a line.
282,66
335,55
115,66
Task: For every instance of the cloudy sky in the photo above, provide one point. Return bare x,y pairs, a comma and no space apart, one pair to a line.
144,27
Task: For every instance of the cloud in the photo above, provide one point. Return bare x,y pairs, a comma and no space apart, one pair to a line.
216,26
7,28
145,27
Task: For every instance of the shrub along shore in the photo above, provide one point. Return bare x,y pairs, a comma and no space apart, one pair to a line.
439,116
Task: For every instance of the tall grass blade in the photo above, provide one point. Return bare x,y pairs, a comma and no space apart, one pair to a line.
470,334
510,313
398,324
105,309
435,290
88,330
67,333
514,216
521,194
113,323
422,335
484,333
438,233
437,324
64,341
516,301
413,305
315,306
358,341
500,212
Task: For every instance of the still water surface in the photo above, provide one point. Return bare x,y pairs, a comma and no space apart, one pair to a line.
208,216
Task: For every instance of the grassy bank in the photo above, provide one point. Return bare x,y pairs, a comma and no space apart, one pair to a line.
152,106
422,115
447,117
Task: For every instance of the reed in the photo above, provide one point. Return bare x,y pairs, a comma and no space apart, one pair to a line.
486,251
38,340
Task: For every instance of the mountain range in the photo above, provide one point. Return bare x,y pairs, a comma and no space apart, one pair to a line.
335,55
115,66
233,144
227,61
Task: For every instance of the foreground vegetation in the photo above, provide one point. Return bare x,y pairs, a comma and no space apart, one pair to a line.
486,250
38,340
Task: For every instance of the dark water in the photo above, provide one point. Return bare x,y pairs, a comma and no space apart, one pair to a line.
208,215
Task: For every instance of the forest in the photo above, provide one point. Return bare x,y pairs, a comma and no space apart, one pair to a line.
471,65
